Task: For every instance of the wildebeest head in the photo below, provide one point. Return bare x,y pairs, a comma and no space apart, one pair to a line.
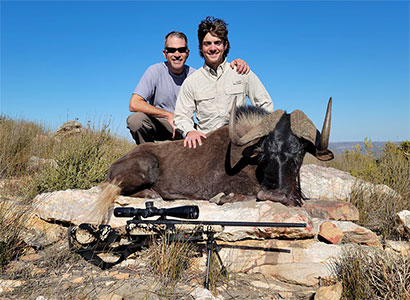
280,142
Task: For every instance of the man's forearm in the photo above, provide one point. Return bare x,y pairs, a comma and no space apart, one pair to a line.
138,104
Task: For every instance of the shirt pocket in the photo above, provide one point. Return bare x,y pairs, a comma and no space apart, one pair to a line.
205,104
235,90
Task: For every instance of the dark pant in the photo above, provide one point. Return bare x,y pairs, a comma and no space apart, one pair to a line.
145,128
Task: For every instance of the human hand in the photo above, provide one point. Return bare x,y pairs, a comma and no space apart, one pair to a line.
192,138
241,66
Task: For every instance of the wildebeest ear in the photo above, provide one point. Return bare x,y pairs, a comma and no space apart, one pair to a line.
324,155
303,127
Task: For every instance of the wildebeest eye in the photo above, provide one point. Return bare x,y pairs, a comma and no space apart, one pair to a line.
252,151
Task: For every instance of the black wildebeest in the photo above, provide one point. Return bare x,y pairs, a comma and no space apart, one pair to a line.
256,154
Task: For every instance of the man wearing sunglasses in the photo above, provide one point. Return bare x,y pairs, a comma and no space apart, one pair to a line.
210,91
153,100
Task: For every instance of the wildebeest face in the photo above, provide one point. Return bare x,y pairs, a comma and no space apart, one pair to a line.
281,158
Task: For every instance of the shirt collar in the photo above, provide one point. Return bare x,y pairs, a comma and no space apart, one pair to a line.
219,71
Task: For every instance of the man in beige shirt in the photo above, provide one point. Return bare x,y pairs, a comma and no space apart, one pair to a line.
210,91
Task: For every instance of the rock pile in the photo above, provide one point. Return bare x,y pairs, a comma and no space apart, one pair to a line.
290,256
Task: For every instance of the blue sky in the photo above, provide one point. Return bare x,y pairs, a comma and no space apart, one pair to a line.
62,60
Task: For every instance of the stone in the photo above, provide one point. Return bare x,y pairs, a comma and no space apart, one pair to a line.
333,210
362,236
201,293
401,247
69,206
9,285
305,274
111,296
39,234
74,207
352,233
404,219
324,183
274,257
122,276
78,280
330,232
30,257
70,128
331,292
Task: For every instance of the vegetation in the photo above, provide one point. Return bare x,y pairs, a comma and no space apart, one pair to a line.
369,273
389,166
82,160
64,162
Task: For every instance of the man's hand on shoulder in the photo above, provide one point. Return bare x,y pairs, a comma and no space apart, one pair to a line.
192,138
241,66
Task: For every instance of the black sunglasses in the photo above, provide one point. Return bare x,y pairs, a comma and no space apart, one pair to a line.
173,50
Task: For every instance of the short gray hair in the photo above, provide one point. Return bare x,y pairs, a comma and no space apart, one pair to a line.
177,34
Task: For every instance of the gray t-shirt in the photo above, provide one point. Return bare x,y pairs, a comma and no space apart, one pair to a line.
160,87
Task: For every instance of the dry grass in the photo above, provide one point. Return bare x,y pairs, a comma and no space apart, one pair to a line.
11,227
369,273
170,260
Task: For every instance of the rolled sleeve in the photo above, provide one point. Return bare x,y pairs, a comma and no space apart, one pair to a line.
184,109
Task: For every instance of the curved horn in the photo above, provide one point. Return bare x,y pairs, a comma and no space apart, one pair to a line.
324,135
267,124
236,140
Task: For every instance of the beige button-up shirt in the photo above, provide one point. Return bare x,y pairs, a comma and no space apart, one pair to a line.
210,94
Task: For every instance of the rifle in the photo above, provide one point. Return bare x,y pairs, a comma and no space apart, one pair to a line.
88,240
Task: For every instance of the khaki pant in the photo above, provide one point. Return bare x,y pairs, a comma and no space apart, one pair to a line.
145,128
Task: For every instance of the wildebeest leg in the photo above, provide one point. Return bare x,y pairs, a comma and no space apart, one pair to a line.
231,198
147,193
134,174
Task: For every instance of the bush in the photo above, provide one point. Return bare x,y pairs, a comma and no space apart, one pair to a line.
80,162
17,142
370,273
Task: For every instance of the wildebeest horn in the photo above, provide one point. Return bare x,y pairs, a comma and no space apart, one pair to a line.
265,126
303,127
324,135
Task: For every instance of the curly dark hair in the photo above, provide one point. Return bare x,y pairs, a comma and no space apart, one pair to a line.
216,27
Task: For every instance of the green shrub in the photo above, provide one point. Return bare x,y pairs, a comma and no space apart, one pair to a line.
81,161
18,139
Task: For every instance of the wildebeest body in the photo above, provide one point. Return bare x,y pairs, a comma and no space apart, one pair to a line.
176,172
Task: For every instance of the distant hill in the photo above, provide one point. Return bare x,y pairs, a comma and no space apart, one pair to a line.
340,147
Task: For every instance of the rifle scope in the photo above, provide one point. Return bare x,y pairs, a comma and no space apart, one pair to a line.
183,212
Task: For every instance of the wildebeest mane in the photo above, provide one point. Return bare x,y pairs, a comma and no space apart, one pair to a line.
248,117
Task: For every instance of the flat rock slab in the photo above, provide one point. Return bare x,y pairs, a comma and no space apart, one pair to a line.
299,262
324,183
75,206
333,210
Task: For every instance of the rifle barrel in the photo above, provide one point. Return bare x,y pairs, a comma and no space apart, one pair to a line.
221,223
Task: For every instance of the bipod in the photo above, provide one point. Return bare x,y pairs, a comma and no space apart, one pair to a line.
212,248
